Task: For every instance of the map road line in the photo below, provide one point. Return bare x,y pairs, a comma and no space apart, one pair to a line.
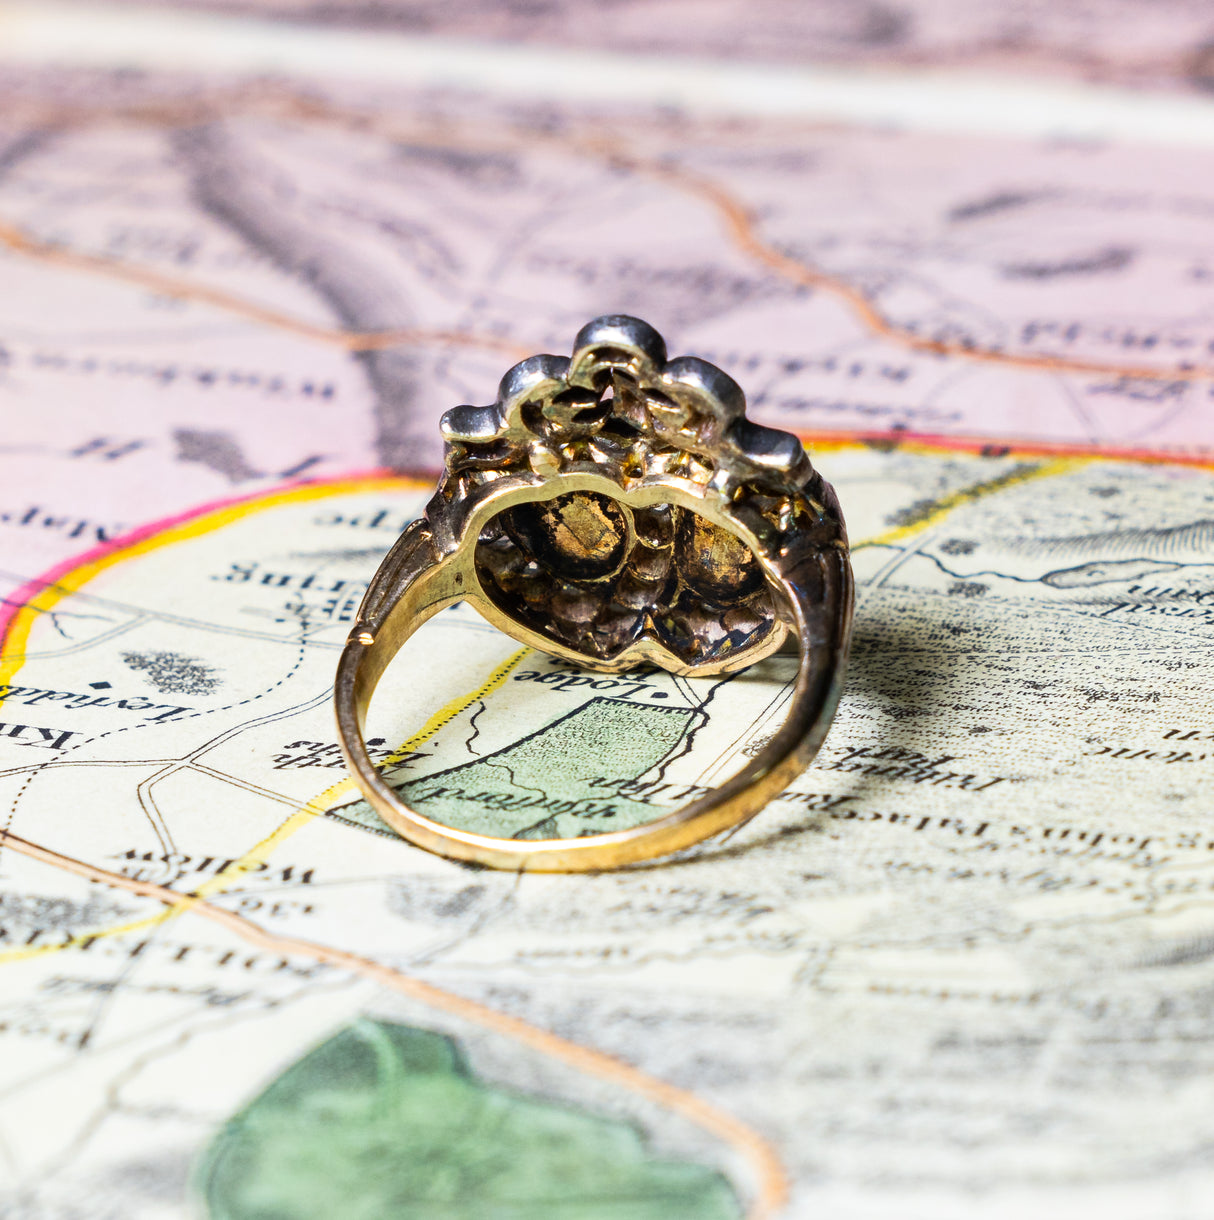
66,578
259,852
319,805
20,242
773,1183
35,597
75,942
39,595
739,222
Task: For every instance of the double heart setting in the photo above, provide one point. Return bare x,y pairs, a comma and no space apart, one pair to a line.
625,509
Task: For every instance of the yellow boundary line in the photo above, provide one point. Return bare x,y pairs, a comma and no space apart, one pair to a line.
16,640
74,578
332,795
969,495
337,792
773,1186
260,852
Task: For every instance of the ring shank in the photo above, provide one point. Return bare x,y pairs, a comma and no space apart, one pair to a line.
415,583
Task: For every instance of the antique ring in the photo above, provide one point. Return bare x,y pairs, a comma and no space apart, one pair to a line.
618,509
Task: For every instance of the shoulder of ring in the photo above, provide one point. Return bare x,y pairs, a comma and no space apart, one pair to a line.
413,553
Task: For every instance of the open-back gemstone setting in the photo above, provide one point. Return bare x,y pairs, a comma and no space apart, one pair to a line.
593,573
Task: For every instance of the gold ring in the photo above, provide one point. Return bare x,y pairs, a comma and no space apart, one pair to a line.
617,509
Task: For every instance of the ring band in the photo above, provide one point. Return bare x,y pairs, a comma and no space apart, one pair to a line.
616,509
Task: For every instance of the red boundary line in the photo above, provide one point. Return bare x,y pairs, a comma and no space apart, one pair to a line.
21,597
993,447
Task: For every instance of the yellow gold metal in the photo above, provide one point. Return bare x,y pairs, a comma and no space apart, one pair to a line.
618,509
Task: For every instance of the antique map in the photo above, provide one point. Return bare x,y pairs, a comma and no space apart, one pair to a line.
962,966
1164,44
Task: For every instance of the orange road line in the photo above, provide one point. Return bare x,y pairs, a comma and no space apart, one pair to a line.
741,225
739,221
742,228
21,242
773,1182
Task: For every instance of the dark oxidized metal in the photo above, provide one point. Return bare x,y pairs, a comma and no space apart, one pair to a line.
617,508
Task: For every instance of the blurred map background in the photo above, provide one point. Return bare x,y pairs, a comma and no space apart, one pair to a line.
249,254
1163,44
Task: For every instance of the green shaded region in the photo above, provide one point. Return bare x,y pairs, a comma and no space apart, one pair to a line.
360,814
569,779
386,1122
561,782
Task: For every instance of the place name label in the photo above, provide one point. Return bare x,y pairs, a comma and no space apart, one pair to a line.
33,695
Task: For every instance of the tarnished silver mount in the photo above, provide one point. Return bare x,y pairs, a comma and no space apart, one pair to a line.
617,509
637,513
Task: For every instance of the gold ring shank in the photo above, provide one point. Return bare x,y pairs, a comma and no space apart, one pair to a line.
815,597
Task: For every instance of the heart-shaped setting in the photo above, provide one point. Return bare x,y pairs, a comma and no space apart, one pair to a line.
617,509
597,575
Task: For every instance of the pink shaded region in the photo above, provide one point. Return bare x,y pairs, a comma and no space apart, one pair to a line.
19,599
